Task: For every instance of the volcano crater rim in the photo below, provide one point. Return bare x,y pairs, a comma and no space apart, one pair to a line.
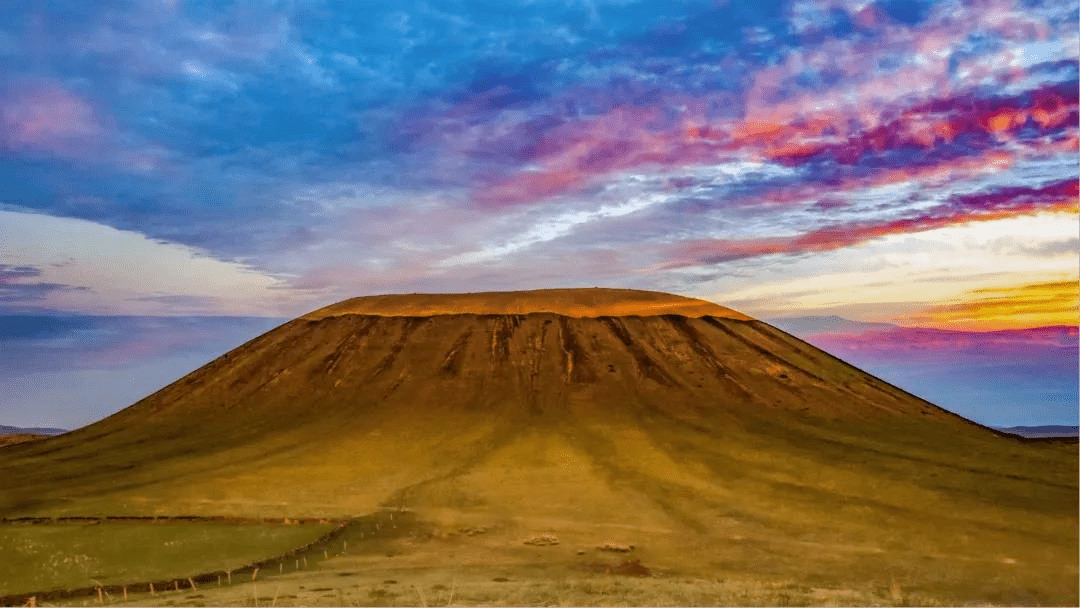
575,303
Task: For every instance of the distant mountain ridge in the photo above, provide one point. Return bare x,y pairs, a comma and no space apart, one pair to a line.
812,324
832,324
1046,430
15,430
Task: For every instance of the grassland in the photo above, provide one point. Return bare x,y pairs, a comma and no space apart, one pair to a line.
409,562
64,556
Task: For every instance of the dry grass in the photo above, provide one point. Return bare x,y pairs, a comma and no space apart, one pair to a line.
475,587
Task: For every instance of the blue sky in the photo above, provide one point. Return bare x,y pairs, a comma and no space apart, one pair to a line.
884,161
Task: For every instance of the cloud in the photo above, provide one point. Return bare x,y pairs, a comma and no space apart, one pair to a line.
32,293
883,279
1013,306
553,228
9,274
891,96
46,118
1055,248
128,273
930,136
935,344
36,342
15,289
961,209
181,302
143,109
528,137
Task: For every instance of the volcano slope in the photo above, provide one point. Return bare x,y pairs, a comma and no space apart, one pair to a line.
736,459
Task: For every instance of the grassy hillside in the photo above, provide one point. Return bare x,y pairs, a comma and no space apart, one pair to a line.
64,556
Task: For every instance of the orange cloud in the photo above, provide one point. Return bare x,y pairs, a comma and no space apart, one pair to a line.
1017,306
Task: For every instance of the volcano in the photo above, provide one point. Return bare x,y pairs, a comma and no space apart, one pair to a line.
711,442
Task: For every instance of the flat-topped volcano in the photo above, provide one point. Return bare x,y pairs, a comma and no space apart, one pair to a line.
714,443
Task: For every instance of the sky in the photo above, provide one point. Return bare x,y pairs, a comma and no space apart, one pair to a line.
177,177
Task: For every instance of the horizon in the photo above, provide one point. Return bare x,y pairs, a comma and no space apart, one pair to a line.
179,175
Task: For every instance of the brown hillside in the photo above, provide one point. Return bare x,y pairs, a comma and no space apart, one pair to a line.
712,442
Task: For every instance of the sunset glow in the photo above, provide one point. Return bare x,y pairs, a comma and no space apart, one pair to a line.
1014,307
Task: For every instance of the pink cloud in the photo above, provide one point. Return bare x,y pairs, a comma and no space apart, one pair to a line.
46,118
598,148
917,343
49,118
572,155
998,204
922,103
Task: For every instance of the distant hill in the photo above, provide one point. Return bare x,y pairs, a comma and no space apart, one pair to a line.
1046,430
15,430
801,326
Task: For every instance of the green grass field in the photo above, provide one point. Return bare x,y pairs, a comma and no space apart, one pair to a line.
65,556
